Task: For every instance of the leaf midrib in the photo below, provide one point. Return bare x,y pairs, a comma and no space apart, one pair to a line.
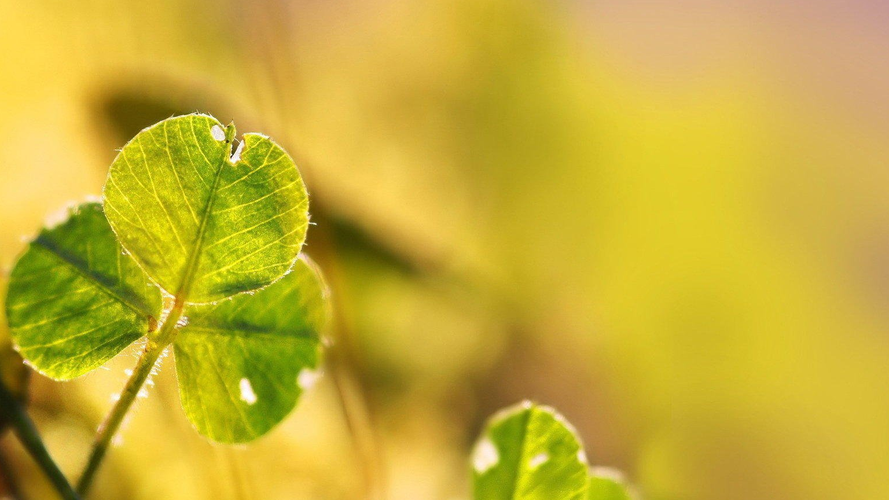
194,257
518,469
267,334
137,307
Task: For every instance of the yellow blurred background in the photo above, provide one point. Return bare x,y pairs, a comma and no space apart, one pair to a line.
670,220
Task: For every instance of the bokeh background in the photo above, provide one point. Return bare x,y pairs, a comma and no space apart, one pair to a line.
670,220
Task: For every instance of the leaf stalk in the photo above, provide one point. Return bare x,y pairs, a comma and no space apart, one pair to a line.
152,352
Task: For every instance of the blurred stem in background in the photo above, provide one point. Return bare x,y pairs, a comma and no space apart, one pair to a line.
8,478
273,43
243,490
30,438
342,364
358,420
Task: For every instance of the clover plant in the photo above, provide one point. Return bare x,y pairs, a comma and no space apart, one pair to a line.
530,452
195,247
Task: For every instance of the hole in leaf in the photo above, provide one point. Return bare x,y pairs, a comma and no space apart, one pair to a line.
307,378
538,460
485,456
247,394
217,133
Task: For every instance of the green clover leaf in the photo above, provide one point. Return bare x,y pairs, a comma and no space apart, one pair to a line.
242,363
221,234
530,452
606,484
76,299
206,224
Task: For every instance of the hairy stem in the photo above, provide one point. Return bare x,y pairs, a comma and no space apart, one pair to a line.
157,341
30,438
153,349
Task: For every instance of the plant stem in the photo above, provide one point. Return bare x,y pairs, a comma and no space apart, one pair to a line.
360,428
30,438
153,349
8,478
343,367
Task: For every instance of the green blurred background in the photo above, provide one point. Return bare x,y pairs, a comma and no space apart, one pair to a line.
670,220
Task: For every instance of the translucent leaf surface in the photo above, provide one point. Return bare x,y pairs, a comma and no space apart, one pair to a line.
206,225
529,452
606,484
242,363
76,299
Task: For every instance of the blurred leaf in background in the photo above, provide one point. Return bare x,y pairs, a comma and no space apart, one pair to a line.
14,374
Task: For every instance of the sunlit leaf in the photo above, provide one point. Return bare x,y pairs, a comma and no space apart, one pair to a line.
529,452
606,484
204,225
242,363
76,299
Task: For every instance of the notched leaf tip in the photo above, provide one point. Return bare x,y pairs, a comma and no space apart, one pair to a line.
236,157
